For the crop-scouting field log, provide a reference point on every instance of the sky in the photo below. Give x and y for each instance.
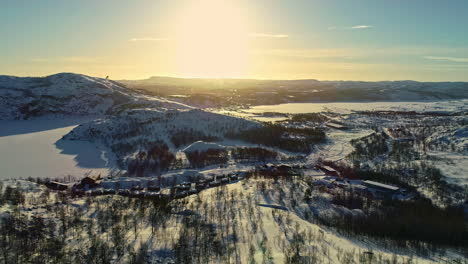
(368, 40)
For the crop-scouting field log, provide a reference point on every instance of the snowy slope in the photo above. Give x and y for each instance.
(132, 131)
(66, 94)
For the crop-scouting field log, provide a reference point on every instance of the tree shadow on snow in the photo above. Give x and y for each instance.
(273, 206)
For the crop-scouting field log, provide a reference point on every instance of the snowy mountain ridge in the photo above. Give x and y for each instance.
(382, 89)
(67, 94)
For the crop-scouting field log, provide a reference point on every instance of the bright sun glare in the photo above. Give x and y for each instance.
(212, 40)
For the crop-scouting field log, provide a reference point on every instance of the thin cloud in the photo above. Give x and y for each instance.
(311, 53)
(80, 59)
(147, 39)
(362, 27)
(70, 59)
(452, 59)
(353, 27)
(265, 35)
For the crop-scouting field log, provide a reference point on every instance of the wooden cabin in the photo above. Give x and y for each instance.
(90, 181)
(58, 186)
(329, 171)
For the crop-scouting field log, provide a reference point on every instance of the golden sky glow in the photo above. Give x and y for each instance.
(211, 40)
(266, 39)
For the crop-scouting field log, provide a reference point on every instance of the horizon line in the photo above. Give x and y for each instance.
(232, 78)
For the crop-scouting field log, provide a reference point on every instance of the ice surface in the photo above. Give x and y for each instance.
(34, 148)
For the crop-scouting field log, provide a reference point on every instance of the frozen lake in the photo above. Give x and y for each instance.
(296, 108)
(33, 148)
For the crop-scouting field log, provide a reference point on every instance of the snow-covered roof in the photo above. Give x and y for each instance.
(202, 146)
(381, 185)
(334, 125)
(328, 168)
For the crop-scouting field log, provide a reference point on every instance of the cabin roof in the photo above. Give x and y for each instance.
(381, 185)
(334, 125)
(328, 168)
(93, 178)
(57, 183)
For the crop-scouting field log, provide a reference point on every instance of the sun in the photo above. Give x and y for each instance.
(212, 40)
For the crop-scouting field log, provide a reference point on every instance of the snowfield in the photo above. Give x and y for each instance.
(346, 107)
(338, 145)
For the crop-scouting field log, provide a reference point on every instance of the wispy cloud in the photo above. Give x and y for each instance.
(310, 53)
(265, 35)
(362, 27)
(348, 27)
(147, 39)
(452, 59)
(78, 59)
(70, 59)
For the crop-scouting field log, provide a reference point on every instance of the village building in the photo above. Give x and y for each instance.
(284, 168)
(89, 182)
(381, 190)
(329, 171)
(336, 126)
(56, 185)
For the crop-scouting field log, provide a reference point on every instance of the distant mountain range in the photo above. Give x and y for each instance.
(76, 94)
(244, 91)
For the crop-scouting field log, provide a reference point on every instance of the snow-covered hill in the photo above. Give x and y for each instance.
(128, 122)
(148, 134)
(67, 94)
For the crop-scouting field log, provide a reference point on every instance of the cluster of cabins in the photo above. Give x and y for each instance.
(270, 169)
(90, 186)
(187, 188)
(330, 179)
(87, 182)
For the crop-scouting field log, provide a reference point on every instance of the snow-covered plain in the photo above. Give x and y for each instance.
(338, 145)
(33, 148)
(296, 108)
